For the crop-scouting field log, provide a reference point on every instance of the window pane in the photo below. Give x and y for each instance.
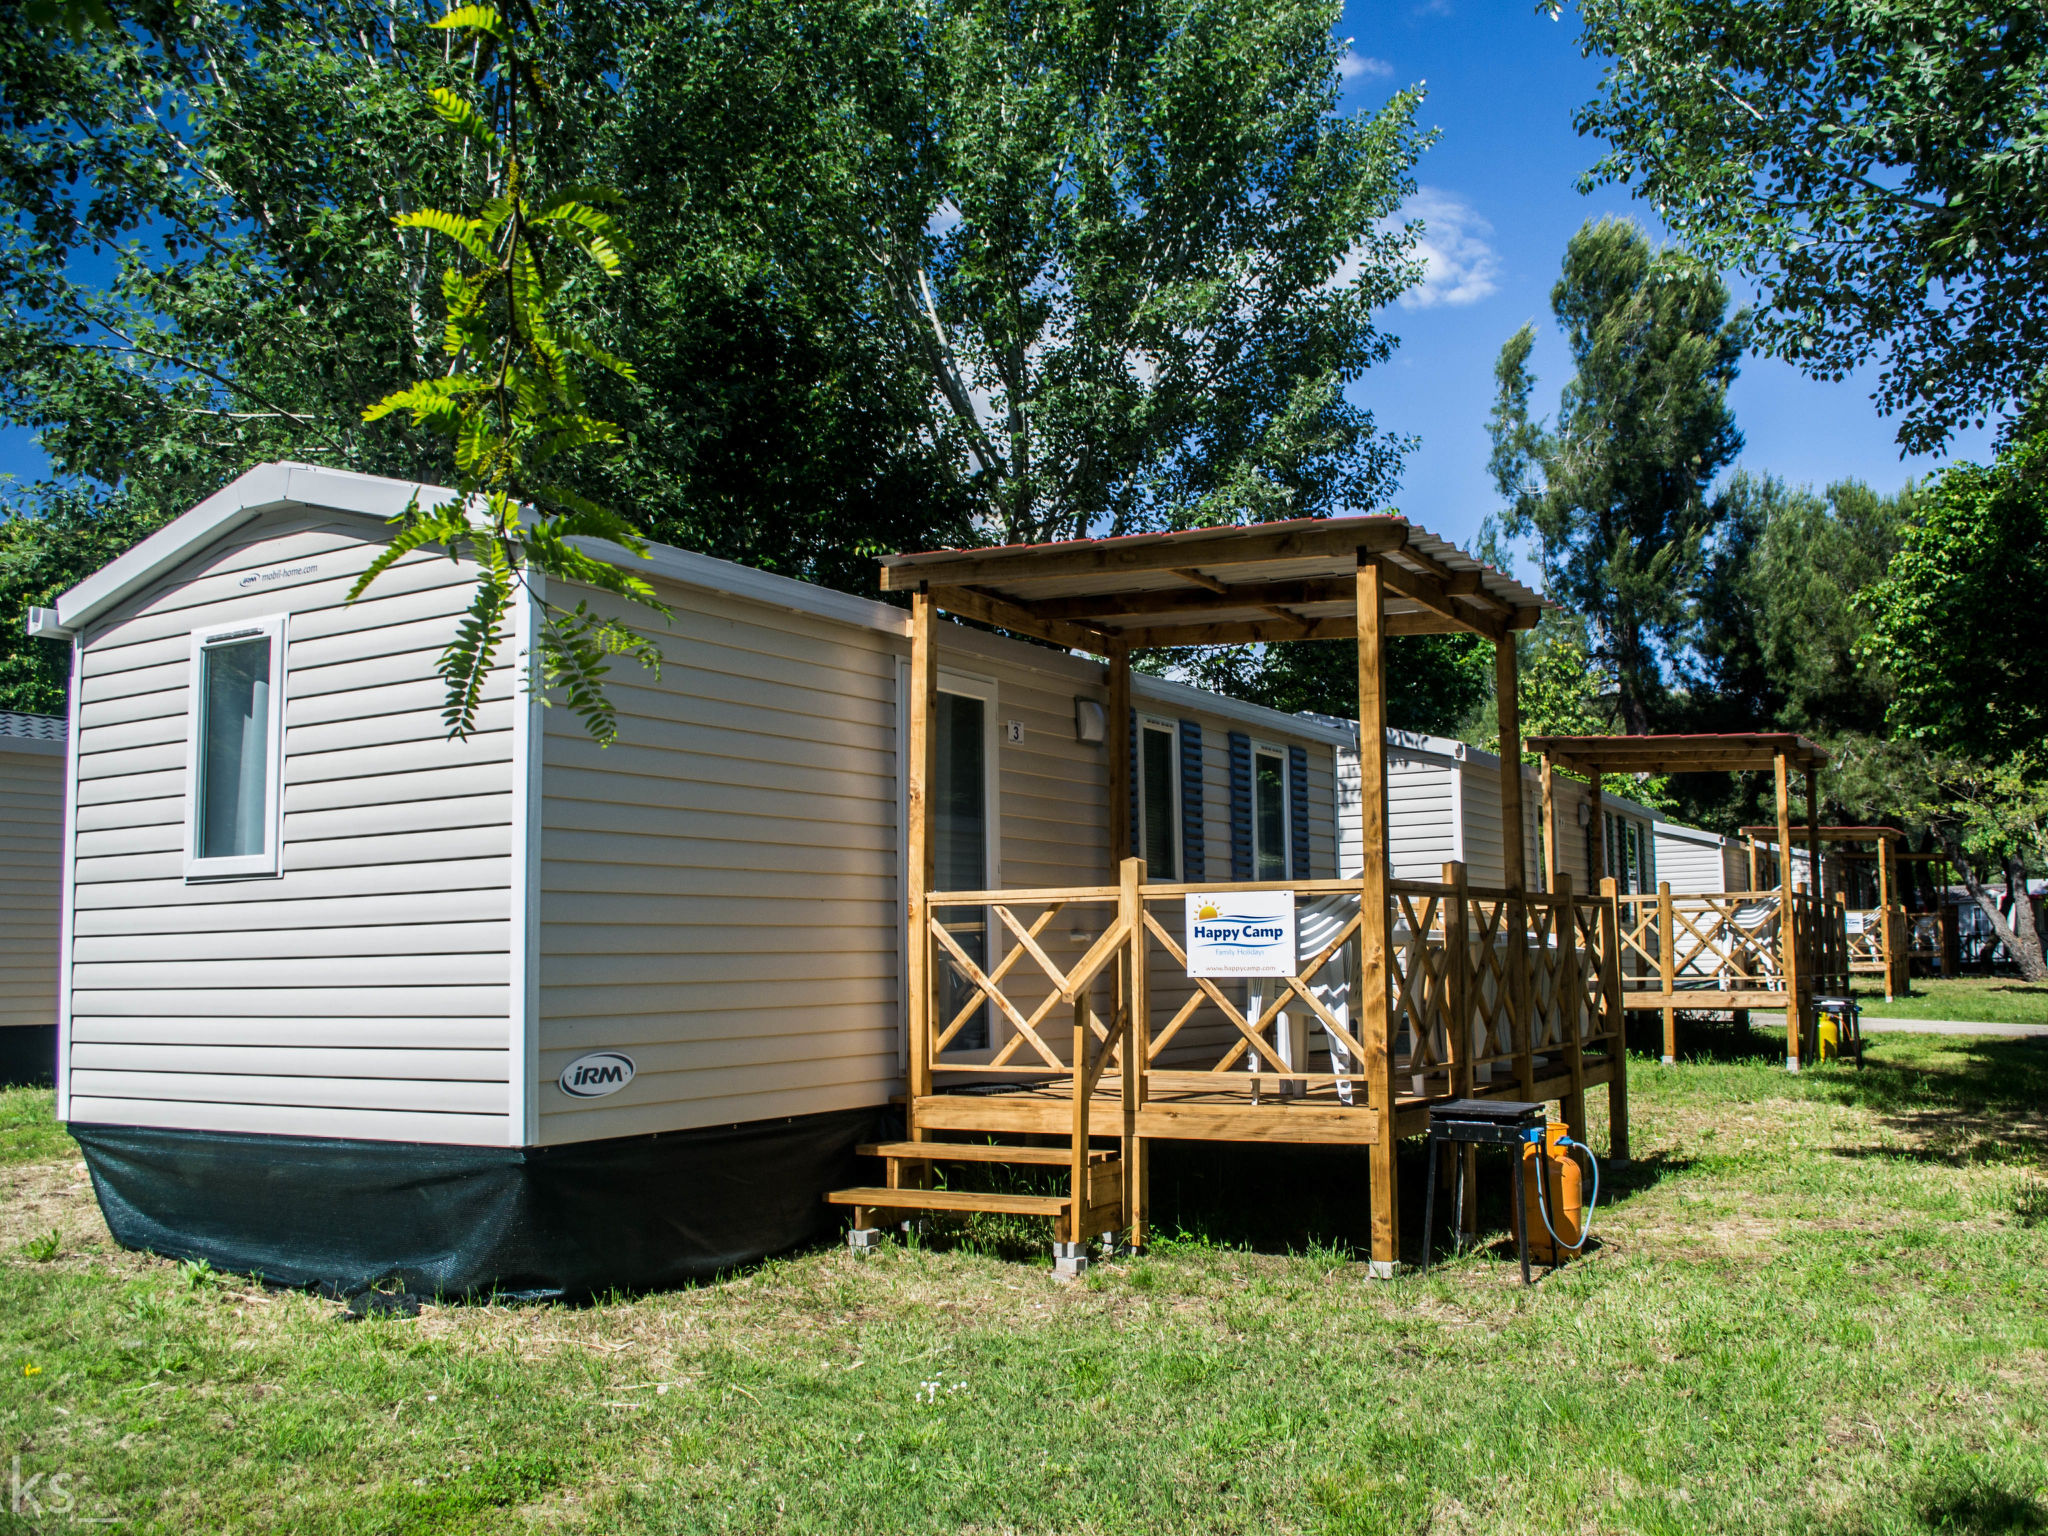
(960, 854)
(1269, 818)
(1156, 795)
(234, 748)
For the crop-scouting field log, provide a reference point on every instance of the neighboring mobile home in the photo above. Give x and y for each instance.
(1699, 863)
(1443, 805)
(344, 999)
(31, 852)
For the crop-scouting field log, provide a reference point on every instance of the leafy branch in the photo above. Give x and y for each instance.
(512, 399)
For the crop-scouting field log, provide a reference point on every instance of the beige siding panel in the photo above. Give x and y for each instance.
(435, 1095)
(293, 1120)
(31, 879)
(719, 889)
(481, 1066)
(242, 1004)
(291, 1002)
(401, 1034)
(489, 877)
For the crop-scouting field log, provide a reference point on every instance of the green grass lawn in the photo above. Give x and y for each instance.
(1963, 999)
(1819, 1304)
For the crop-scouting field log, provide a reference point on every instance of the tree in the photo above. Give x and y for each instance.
(1877, 169)
(198, 273)
(510, 397)
(1434, 682)
(1144, 262)
(1617, 492)
(1955, 622)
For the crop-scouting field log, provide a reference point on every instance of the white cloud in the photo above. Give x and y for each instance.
(1354, 65)
(1458, 265)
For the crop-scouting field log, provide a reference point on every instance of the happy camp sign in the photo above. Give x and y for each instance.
(1241, 933)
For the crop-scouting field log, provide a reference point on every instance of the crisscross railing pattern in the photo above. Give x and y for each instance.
(1481, 985)
(1188, 1047)
(1027, 984)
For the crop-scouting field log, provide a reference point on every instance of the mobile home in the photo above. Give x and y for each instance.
(343, 999)
(31, 836)
(1444, 805)
(1699, 862)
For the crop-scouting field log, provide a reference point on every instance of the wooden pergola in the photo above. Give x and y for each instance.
(1363, 580)
(1880, 948)
(1802, 954)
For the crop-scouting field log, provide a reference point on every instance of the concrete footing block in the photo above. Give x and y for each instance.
(865, 1240)
(1069, 1261)
(1670, 1061)
(1381, 1269)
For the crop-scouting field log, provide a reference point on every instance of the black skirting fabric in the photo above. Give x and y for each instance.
(28, 1055)
(632, 1213)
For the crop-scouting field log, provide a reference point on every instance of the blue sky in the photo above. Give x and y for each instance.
(1498, 195)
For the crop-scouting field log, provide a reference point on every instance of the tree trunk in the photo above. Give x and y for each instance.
(2026, 951)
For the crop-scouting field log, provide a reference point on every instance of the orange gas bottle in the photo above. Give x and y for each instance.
(1563, 1197)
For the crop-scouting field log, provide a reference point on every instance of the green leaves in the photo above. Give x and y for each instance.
(1956, 621)
(512, 400)
(1878, 169)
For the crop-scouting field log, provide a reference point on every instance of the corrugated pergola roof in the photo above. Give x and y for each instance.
(1219, 586)
(1739, 752)
(1800, 834)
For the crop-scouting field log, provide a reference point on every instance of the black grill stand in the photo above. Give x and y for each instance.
(1487, 1122)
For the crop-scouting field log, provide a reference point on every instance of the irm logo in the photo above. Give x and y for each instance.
(595, 1075)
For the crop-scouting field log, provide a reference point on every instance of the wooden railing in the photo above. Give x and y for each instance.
(1483, 986)
(1732, 942)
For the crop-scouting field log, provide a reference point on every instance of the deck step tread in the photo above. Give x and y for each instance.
(977, 1152)
(949, 1200)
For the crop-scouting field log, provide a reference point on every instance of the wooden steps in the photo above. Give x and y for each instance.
(1099, 1208)
(877, 1198)
(977, 1152)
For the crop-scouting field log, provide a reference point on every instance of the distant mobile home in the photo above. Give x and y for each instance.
(1443, 805)
(1698, 862)
(31, 856)
(343, 999)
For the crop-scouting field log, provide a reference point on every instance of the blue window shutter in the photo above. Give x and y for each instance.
(1194, 863)
(1240, 806)
(1297, 813)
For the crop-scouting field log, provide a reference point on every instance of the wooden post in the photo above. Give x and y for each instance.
(1137, 1048)
(1374, 1014)
(1667, 975)
(1884, 909)
(1617, 1024)
(1121, 832)
(919, 852)
(1549, 828)
(1750, 838)
(1514, 877)
(1788, 947)
(1568, 1002)
(1077, 1228)
(1458, 1009)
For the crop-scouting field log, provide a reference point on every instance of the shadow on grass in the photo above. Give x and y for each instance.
(1705, 1037)
(1283, 1199)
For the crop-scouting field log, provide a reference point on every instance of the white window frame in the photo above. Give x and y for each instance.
(1171, 731)
(254, 866)
(1273, 749)
(967, 685)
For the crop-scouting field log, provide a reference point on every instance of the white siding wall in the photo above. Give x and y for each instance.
(1692, 861)
(31, 867)
(364, 992)
(718, 890)
(1422, 815)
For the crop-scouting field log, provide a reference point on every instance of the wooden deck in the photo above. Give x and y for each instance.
(1225, 1111)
